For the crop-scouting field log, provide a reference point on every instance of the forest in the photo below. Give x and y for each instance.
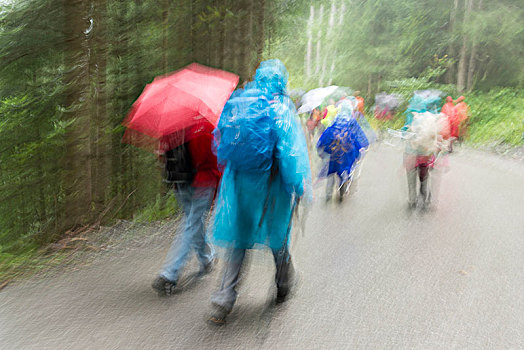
(71, 69)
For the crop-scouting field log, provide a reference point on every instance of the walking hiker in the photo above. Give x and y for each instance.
(428, 135)
(191, 171)
(462, 110)
(263, 150)
(341, 145)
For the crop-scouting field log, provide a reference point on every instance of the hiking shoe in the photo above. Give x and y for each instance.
(218, 316)
(163, 286)
(282, 294)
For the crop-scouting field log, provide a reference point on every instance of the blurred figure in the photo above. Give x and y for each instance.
(330, 113)
(360, 101)
(450, 110)
(462, 110)
(426, 132)
(266, 172)
(385, 108)
(191, 171)
(341, 145)
(313, 122)
(362, 121)
(386, 105)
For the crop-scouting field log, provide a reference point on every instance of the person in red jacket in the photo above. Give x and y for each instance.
(450, 110)
(360, 101)
(462, 110)
(192, 171)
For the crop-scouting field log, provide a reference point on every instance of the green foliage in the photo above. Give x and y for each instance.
(164, 207)
(496, 117)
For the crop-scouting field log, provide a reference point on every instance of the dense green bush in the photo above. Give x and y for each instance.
(496, 117)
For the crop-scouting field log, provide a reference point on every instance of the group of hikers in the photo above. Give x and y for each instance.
(429, 133)
(256, 169)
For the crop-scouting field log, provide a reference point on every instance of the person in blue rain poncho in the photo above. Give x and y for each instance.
(266, 170)
(341, 144)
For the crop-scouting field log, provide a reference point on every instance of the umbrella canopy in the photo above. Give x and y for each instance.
(174, 108)
(313, 98)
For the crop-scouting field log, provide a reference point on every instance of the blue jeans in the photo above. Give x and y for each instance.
(196, 203)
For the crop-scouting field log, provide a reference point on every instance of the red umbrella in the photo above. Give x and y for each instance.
(175, 108)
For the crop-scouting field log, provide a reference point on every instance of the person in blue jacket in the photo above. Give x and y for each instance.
(263, 152)
(342, 144)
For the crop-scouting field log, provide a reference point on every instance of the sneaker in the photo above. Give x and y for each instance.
(218, 316)
(163, 286)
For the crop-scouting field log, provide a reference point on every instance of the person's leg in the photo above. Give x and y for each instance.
(412, 186)
(200, 206)
(181, 246)
(226, 296)
(424, 183)
(284, 273)
(330, 183)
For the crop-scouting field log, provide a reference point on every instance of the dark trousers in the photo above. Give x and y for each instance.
(227, 294)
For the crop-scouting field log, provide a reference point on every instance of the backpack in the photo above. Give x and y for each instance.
(246, 134)
(178, 167)
(425, 127)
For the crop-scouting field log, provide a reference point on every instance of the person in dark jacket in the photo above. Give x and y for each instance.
(194, 191)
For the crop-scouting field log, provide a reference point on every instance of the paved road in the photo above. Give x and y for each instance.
(373, 276)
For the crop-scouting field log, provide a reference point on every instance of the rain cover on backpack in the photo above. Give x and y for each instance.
(425, 127)
(245, 137)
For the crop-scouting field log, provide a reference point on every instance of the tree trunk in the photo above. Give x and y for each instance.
(473, 58)
(261, 31)
(237, 38)
(191, 30)
(461, 74)
(102, 146)
(319, 40)
(328, 47)
(76, 97)
(165, 35)
(270, 24)
(341, 13)
(247, 43)
(451, 73)
(309, 41)
(332, 69)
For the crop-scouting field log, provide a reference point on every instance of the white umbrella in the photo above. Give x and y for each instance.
(314, 98)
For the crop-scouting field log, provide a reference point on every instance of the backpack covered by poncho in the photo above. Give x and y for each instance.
(425, 128)
(245, 136)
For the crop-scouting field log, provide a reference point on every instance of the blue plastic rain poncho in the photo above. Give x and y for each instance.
(349, 106)
(342, 142)
(266, 165)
